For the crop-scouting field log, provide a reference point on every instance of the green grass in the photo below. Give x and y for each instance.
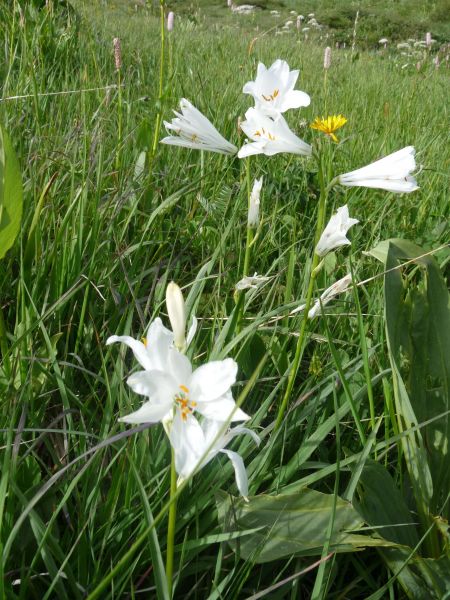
(108, 241)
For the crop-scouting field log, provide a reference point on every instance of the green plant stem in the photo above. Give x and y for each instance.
(119, 118)
(161, 83)
(248, 251)
(315, 262)
(171, 525)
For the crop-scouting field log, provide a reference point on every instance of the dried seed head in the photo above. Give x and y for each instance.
(117, 54)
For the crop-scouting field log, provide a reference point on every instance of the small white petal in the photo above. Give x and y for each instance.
(239, 471)
(192, 331)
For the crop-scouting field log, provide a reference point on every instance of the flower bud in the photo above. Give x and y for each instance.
(327, 58)
(253, 209)
(177, 314)
(170, 19)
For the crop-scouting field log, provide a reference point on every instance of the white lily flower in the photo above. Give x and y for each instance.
(253, 210)
(270, 136)
(177, 314)
(391, 173)
(176, 387)
(273, 89)
(250, 282)
(194, 130)
(334, 234)
(337, 288)
(197, 444)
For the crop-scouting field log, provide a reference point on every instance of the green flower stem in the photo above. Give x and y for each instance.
(119, 118)
(323, 162)
(248, 251)
(161, 82)
(171, 525)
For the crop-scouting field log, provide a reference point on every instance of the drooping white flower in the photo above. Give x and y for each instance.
(270, 136)
(194, 130)
(273, 89)
(335, 233)
(197, 444)
(177, 314)
(251, 282)
(391, 173)
(337, 288)
(253, 209)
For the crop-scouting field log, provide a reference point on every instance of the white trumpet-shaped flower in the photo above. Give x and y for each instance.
(173, 387)
(270, 136)
(391, 173)
(253, 209)
(334, 290)
(335, 233)
(273, 89)
(194, 130)
(196, 444)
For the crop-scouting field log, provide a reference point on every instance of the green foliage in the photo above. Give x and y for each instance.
(10, 194)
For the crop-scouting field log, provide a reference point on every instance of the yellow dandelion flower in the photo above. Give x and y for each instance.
(329, 125)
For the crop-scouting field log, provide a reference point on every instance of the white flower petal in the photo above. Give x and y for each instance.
(222, 410)
(192, 331)
(188, 442)
(148, 413)
(157, 385)
(139, 349)
(213, 380)
(239, 471)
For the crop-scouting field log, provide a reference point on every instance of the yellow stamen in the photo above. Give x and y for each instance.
(184, 389)
(275, 93)
(257, 133)
(329, 125)
(144, 341)
(271, 137)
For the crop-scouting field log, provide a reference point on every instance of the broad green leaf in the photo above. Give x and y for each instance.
(292, 524)
(417, 308)
(10, 194)
(381, 503)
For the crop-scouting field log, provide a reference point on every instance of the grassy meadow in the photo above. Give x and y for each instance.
(349, 498)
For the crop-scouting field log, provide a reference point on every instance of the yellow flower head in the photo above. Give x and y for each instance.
(329, 125)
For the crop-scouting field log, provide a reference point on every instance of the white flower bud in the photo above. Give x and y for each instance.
(253, 209)
(327, 58)
(177, 314)
(170, 19)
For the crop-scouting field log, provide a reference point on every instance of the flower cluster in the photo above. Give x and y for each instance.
(195, 406)
(274, 94)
